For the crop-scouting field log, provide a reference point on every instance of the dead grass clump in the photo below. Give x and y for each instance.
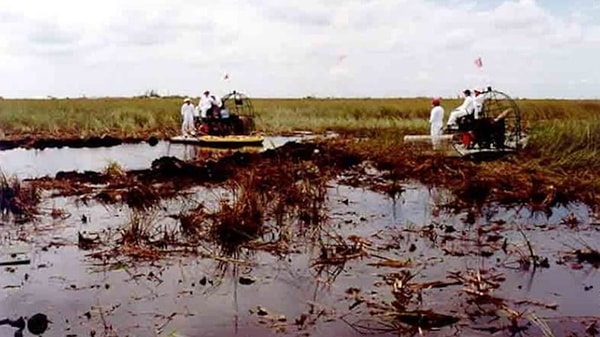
(306, 195)
(17, 199)
(144, 230)
(289, 189)
(192, 221)
(268, 193)
(240, 221)
(404, 313)
(137, 230)
(114, 171)
(142, 197)
(342, 250)
(587, 254)
(131, 193)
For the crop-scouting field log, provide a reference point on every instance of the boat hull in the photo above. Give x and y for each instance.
(233, 141)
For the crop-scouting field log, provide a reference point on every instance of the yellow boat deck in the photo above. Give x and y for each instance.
(220, 141)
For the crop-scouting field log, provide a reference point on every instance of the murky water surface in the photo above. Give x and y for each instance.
(31, 163)
(192, 296)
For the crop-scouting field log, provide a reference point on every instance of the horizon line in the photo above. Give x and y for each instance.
(307, 97)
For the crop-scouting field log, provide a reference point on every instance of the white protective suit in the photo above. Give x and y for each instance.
(478, 103)
(187, 113)
(204, 105)
(436, 121)
(467, 107)
(217, 101)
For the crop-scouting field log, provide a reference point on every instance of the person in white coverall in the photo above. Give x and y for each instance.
(466, 108)
(204, 105)
(217, 105)
(478, 100)
(436, 121)
(187, 113)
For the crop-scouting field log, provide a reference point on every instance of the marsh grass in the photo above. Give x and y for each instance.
(145, 228)
(86, 117)
(565, 133)
(139, 229)
(131, 115)
(568, 144)
(17, 199)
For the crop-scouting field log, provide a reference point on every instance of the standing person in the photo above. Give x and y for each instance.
(216, 106)
(466, 108)
(204, 105)
(436, 121)
(478, 101)
(187, 113)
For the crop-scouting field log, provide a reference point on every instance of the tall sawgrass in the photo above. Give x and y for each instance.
(564, 133)
(568, 143)
(132, 115)
(85, 117)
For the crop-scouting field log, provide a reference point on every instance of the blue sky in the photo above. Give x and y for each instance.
(296, 48)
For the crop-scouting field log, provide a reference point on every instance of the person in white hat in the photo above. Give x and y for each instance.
(204, 105)
(466, 108)
(479, 99)
(187, 113)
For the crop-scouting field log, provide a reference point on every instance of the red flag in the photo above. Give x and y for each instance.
(478, 62)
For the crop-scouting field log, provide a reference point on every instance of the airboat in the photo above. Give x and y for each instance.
(234, 131)
(497, 131)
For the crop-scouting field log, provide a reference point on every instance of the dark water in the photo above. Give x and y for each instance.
(80, 294)
(31, 163)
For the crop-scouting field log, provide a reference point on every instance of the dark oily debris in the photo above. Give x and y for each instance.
(72, 142)
(37, 324)
(153, 140)
(87, 241)
(244, 280)
(426, 319)
(18, 323)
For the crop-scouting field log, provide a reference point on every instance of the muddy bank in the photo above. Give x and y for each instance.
(34, 163)
(505, 181)
(73, 142)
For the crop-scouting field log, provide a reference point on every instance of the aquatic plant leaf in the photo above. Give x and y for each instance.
(393, 263)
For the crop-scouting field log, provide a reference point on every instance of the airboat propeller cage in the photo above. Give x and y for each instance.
(499, 114)
(240, 104)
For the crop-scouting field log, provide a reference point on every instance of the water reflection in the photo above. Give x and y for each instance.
(213, 294)
(31, 163)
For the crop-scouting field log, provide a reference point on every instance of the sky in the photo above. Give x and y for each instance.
(298, 48)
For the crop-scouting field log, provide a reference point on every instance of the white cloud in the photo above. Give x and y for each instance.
(292, 48)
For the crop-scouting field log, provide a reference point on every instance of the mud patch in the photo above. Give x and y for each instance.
(43, 143)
